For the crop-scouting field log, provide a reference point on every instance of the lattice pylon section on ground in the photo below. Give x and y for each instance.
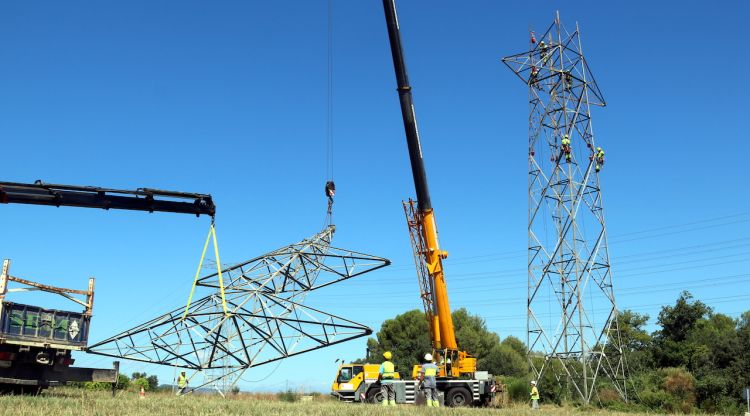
(266, 320)
(572, 328)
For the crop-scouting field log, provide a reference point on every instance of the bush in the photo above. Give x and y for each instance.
(681, 386)
(609, 397)
(123, 382)
(518, 389)
(655, 400)
(141, 382)
(288, 396)
(670, 390)
(96, 385)
(504, 360)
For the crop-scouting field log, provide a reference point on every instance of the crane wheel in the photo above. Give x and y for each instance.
(458, 397)
(374, 396)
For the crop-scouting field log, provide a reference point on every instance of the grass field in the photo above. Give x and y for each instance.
(88, 403)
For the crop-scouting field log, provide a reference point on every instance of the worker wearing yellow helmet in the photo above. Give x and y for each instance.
(566, 147)
(599, 158)
(386, 375)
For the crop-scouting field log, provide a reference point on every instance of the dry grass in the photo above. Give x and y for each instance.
(70, 402)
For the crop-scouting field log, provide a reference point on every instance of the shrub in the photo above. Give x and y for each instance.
(681, 386)
(123, 382)
(655, 400)
(518, 389)
(141, 382)
(95, 385)
(609, 396)
(288, 396)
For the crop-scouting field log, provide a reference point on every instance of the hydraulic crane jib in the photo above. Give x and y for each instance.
(142, 199)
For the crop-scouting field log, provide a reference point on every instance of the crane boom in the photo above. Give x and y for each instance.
(143, 199)
(440, 320)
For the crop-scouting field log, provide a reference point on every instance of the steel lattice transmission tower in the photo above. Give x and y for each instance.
(258, 318)
(572, 328)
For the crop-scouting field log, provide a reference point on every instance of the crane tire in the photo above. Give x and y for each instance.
(458, 397)
(374, 395)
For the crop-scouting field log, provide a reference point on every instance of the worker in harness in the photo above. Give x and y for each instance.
(534, 75)
(566, 147)
(534, 78)
(386, 374)
(182, 382)
(599, 156)
(568, 81)
(544, 49)
(429, 384)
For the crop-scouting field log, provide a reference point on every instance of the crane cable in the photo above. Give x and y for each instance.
(330, 188)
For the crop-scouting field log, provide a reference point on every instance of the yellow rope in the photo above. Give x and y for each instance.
(218, 270)
(211, 233)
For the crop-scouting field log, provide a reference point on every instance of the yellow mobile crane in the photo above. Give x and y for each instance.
(458, 380)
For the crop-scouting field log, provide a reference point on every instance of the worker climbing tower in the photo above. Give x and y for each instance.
(572, 328)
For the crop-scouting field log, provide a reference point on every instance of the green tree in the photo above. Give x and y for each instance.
(123, 382)
(676, 322)
(406, 336)
(472, 334)
(516, 344)
(635, 340)
(141, 382)
(503, 360)
(714, 342)
(739, 372)
(153, 382)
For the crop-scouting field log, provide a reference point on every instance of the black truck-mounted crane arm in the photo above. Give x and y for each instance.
(142, 199)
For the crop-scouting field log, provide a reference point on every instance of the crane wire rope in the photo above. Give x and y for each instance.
(329, 96)
(330, 188)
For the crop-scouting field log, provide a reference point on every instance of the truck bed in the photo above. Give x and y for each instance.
(32, 325)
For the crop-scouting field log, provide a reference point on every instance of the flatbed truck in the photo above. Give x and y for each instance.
(36, 344)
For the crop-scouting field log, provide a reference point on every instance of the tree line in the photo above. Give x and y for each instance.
(697, 359)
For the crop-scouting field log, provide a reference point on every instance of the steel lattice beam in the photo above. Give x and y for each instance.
(572, 315)
(266, 320)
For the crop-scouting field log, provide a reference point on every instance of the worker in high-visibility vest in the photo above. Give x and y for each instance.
(534, 396)
(543, 48)
(566, 147)
(599, 158)
(386, 374)
(429, 384)
(182, 382)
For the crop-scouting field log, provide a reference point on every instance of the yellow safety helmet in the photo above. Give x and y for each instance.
(387, 355)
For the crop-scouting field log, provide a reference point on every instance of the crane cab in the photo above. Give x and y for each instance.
(356, 382)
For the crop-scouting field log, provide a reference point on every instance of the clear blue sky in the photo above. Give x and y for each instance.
(228, 98)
